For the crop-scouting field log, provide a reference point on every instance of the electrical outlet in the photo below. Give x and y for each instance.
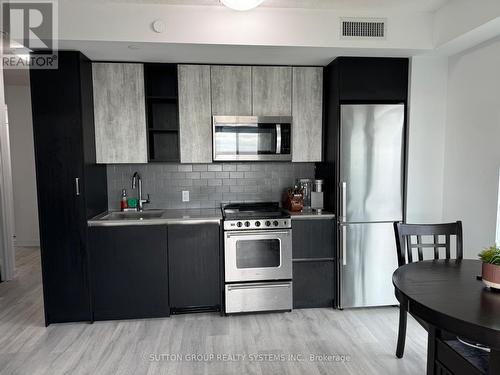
(185, 195)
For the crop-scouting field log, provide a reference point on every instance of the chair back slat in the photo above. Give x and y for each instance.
(405, 245)
(409, 249)
(436, 246)
(419, 248)
(447, 246)
(424, 245)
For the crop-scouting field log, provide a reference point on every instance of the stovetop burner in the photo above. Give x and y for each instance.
(254, 210)
(260, 215)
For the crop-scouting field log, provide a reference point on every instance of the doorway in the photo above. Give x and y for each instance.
(20, 210)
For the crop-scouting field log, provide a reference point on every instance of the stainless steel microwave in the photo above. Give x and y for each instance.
(252, 138)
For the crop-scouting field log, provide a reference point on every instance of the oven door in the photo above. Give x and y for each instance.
(258, 255)
(251, 138)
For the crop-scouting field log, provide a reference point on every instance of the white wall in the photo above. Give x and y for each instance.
(460, 17)
(128, 22)
(427, 118)
(18, 99)
(7, 261)
(472, 153)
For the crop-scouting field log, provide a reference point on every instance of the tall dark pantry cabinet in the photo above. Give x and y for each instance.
(71, 187)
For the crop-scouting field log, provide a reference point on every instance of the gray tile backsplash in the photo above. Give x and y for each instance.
(208, 184)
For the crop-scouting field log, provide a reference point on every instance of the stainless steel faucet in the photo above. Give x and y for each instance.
(136, 180)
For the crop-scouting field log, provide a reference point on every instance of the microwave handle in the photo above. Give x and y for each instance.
(278, 138)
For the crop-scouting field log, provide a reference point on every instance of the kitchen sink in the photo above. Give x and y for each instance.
(133, 215)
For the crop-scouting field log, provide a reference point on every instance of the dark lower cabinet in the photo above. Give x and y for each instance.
(313, 262)
(129, 272)
(313, 284)
(313, 238)
(193, 255)
(71, 188)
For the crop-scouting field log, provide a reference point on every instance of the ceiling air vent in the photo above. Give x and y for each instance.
(355, 28)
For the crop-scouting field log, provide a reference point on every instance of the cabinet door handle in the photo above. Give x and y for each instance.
(77, 186)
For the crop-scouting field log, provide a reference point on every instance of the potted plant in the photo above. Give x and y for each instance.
(491, 266)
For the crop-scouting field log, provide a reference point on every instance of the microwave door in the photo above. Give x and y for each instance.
(246, 141)
(250, 141)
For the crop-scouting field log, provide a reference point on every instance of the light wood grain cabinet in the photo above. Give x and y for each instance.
(231, 90)
(195, 120)
(271, 91)
(119, 113)
(307, 112)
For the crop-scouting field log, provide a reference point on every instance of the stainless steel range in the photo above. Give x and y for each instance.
(257, 257)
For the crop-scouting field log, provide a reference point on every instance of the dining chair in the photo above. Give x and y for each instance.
(411, 238)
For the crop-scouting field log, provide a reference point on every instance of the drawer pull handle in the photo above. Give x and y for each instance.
(258, 286)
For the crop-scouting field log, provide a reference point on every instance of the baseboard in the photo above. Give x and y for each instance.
(33, 243)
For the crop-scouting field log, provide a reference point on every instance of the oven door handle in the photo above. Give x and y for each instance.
(253, 233)
(258, 286)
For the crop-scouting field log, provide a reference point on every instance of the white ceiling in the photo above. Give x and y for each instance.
(220, 54)
(402, 5)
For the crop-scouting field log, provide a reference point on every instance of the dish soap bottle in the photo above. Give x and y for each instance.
(124, 202)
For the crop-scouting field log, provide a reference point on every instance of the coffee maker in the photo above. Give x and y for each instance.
(317, 204)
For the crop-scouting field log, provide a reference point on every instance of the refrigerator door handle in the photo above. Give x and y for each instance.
(343, 243)
(343, 203)
(278, 138)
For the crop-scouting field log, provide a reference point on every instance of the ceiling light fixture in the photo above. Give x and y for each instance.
(241, 4)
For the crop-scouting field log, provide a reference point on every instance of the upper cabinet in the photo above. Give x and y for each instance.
(372, 78)
(162, 112)
(307, 112)
(231, 90)
(119, 113)
(195, 115)
(271, 91)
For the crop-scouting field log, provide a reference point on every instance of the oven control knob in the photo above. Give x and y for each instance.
(247, 223)
(239, 224)
(275, 223)
(257, 223)
(268, 223)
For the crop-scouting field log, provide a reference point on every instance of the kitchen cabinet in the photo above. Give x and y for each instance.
(271, 91)
(162, 112)
(120, 114)
(372, 79)
(195, 116)
(71, 187)
(313, 238)
(307, 112)
(231, 90)
(313, 248)
(129, 272)
(194, 269)
(313, 284)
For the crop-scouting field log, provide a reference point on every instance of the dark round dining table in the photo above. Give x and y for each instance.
(450, 297)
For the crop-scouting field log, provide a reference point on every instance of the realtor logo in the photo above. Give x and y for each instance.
(29, 34)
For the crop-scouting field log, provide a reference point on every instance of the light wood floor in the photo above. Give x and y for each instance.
(366, 336)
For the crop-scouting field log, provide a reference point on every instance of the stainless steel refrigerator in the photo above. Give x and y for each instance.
(371, 162)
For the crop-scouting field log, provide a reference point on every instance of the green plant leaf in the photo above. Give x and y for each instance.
(490, 255)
